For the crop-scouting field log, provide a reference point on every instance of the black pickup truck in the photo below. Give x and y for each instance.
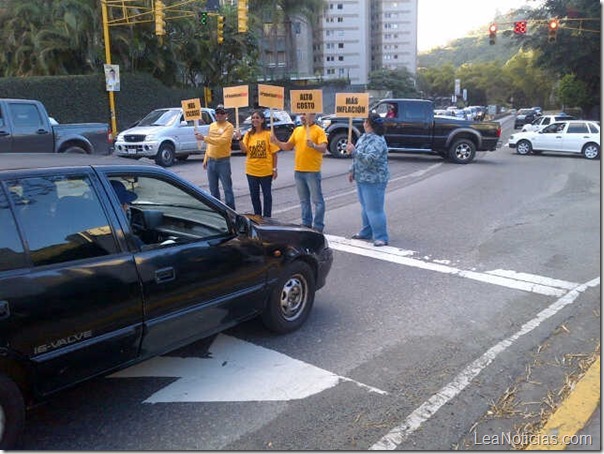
(25, 127)
(412, 127)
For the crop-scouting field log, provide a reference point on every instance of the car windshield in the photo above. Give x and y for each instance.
(161, 117)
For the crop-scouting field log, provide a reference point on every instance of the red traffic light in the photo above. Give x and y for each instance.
(493, 28)
(520, 27)
(553, 24)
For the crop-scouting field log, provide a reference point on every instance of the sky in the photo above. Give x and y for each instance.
(440, 21)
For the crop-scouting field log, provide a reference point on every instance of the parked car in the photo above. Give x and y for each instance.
(26, 125)
(283, 125)
(571, 136)
(415, 129)
(524, 116)
(106, 262)
(545, 120)
(165, 136)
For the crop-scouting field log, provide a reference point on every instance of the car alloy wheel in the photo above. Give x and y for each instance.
(591, 151)
(523, 147)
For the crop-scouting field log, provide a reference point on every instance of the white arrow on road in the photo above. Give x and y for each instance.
(237, 371)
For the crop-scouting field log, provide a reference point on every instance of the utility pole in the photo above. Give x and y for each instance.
(108, 61)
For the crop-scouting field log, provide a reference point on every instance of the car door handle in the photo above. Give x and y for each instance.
(4, 133)
(41, 131)
(4, 310)
(165, 275)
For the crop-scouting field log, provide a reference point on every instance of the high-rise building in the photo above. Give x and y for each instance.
(355, 37)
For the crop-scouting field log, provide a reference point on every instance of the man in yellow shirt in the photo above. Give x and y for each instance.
(217, 158)
(309, 151)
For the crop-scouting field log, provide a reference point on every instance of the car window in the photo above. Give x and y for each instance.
(546, 121)
(12, 253)
(62, 219)
(593, 128)
(577, 128)
(25, 114)
(162, 213)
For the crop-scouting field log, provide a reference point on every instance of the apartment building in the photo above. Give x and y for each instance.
(355, 37)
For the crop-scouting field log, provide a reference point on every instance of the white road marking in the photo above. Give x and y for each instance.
(400, 433)
(520, 281)
(237, 371)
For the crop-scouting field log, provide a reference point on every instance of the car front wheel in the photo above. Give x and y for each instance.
(12, 413)
(165, 155)
(337, 145)
(591, 150)
(291, 300)
(524, 147)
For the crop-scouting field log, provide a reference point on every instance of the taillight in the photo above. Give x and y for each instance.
(109, 136)
(499, 131)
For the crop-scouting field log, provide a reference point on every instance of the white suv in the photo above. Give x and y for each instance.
(545, 120)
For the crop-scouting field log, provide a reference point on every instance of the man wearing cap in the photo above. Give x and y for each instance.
(217, 158)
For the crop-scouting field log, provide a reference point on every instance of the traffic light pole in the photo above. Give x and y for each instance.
(108, 61)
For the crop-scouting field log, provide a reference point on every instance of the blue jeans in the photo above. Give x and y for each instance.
(373, 216)
(220, 170)
(308, 185)
(264, 183)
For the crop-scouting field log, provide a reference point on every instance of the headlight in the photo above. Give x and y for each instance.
(150, 137)
(325, 124)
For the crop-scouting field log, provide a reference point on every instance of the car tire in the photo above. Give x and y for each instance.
(74, 149)
(291, 300)
(12, 413)
(337, 145)
(591, 150)
(183, 157)
(165, 155)
(524, 147)
(463, 151)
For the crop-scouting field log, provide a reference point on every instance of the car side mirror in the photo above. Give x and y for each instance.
(242, 225)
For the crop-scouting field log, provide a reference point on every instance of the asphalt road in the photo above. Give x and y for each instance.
(490, 281)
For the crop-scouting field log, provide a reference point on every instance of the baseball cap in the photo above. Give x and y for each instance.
(220, 109)
(123, 194)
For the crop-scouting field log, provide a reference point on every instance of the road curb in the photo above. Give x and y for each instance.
(572, 415)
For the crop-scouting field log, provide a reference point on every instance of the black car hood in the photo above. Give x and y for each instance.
(273, 231)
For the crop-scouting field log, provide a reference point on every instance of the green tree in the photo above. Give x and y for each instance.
(573, 92)
(399, 81)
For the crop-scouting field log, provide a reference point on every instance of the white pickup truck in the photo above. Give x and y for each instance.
(164, 135)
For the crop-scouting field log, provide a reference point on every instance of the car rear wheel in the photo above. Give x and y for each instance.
(165, 155)
(12, 413)
(337, 145)
(462, 151)
(291, 300)
(524, 147)
(591, 150)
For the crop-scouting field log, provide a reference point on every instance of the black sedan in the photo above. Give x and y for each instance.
(105, 262)
(525, 116)
(283, 125)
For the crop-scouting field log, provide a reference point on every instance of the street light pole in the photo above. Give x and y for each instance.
(108, 61)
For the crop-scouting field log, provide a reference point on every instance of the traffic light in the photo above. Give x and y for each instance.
(552, 30)
(220, 29)
(492, 34)
(204, 18)
(242, 16)
(160, 14)
(520, 27)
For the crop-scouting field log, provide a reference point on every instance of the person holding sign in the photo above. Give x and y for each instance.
(217, 158)
(310, 143)
(370, 170)
(260, 163)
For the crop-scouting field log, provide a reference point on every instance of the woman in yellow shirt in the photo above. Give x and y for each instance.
(260, 163)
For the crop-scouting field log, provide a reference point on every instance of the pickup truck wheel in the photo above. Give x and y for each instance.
(337, 145)
(591, 150)
(12, 413)
(291, 300)
(462, 151)
(524, 147)
(74, 149)
(165, 155)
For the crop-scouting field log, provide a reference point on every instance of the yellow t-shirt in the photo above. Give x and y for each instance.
(218, 140)
(259, 159)
(307, 159)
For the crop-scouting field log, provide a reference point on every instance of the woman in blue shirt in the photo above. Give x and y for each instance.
(370, 170)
